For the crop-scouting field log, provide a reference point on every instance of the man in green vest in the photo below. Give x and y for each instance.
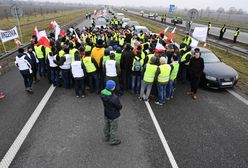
(73, 50)
(163, 79)
(236, 34)
(173, 76)
(149, 73)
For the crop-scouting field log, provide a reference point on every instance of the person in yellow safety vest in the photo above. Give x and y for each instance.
(40, 53)
(93, 22)
(118, 55)
(116, 23)
(150, 55)
(222, 32)
(121, 40)
(173, 76)
(184, 63)
(149, 73)
(141, 36)
(72, 51)
(209, 26)
(104, 58)
(91, 67)
(93, 39)
(187, 39)
(163, 79)
(236, 34)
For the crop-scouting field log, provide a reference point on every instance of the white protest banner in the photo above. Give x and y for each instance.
(194, 43)
(7, 35)
(200, 33)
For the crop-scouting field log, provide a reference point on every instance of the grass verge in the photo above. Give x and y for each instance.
(41, 21)
(235, 61)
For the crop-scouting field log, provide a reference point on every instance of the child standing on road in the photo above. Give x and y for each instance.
(112, 107)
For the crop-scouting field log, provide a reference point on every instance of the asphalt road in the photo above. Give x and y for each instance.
(209, 132)
(243, 36)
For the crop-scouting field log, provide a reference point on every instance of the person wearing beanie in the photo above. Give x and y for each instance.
(25, 69)
(33, 60)
(174, 72)
(112, 107)
(163, 78)
(148, 75)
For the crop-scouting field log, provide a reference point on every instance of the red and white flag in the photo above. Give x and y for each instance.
(159, 48)
(163, 31)
(169, 38)
(42, 39)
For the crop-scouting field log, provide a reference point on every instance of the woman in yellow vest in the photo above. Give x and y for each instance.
(163, 78)
(149, 73)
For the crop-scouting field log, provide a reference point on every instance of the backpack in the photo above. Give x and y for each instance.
(137, 65)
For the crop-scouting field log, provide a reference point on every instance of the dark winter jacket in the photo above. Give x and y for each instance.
(111, 103)
(196, 67)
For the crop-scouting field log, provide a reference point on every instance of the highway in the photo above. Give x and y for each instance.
(210, 132)
(243, 36)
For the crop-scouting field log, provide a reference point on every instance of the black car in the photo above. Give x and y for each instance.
(177, 20)
(216, 73)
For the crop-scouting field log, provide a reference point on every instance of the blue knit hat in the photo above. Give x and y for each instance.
(110, 84)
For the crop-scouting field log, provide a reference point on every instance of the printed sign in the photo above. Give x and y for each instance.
(7, 35)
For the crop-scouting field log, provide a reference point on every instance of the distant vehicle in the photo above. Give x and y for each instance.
(177, 20)
(101, 22)
(131, 23)
(120, 16)
(216, 73)
(143, 28)
(151, 14)
(103, 17)
(142, 13)
(126, 20)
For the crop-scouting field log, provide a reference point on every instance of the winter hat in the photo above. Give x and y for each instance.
(110, 85)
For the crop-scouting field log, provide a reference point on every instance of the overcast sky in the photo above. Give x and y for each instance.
(198, 4)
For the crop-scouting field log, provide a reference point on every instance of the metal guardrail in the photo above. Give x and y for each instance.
(181, 29)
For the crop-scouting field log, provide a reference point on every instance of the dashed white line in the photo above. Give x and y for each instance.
(10, 155)
(238, 96)
(162, 137)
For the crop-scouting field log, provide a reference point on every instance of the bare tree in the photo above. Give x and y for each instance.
(232, 10)
(221, 10)
(240, 12)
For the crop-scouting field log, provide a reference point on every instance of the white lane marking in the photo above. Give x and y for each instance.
(10, 155)
(161, 136)
(238, 96)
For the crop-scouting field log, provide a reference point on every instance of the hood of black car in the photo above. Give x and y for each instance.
(219, 70)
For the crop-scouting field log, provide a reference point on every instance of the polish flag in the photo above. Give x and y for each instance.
(78, 39)
(42, 39)
(163, 32)
(171, 35)
(159, 48)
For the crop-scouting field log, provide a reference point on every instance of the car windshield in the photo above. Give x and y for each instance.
(143, 29)
(209, 57)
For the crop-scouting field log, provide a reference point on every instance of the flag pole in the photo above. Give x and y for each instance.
(4, 47)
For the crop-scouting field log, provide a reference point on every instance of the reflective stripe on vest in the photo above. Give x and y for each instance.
(174, 72)
(150, 73)
(90, 67)
(184, 57)
(38, 51)
(76, 69)
(164, 73)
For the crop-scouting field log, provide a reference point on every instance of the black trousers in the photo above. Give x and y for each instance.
(221, 36)
(194, 84)
(28, 78)
(235, 39)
